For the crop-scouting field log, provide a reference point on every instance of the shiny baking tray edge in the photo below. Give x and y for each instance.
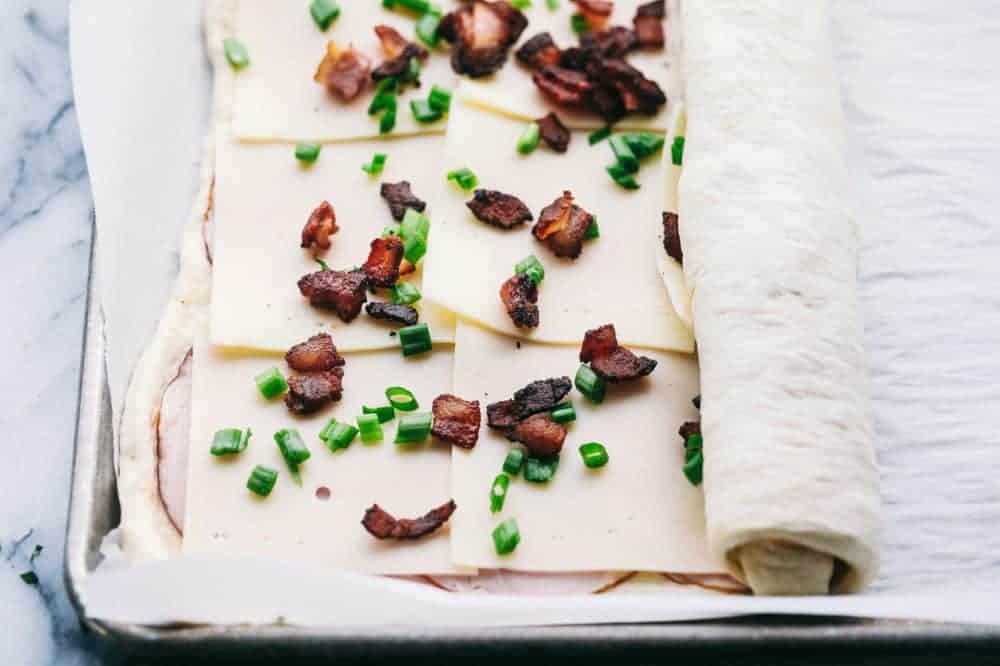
(94, 511)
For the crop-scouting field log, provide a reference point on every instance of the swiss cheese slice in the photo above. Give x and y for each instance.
(223, 517)
(638, 512)
(671, 272)
(263, 199)
(615, 278)
(276, 97)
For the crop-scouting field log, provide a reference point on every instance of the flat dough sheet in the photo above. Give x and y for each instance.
(263, 198)
(671, 272)
(637, 513)
(276, 97)
(511, 90)
(614, 280)
(223, 517)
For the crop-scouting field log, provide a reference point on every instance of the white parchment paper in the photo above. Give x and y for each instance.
(920, 82)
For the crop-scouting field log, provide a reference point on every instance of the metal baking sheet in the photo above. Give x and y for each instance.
(94, 511)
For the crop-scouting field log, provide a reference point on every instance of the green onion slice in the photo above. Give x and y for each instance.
(324, 13)
(593, 231)
(589, 384)
(439, 99)
(388, 120)
(520, 4)
(529, 139)
(293, 450)
(677, 150)
(578, 23)
(405, 293)
(415, 339)
(402, 399)
(644, 144)
(236, 53)
(531, 267)
(262, 480)
(464, 178)
(423, 112)
(498, 492)
(412, 72)
(622, 177)
(29, 578)
(384, 413)
(338, 435)
(693, 469)
(415, 6)
(307, 153)
(594, 455)
(541, 470)
(506, 536)
(599, 135)
(414, 230)
(390, 230)
(376, 166)
(413, 428)
(230, 441)
(623, 153)
(427, 29)
(370, 428)
(513, 462)
(564, 413)
(271, 384)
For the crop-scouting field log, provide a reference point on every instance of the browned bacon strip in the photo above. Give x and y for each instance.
(540, 434)
(609, 360)
(539, 51)
(566, 87)
(636, 93)
(396, 313)
(341, 291)
(481, 34)
(555, 135)
(498, 209)
(383, 525)
(648, 23)
(542, 395)
(321, 225)
(597, 12)
(689, 428)
(519, 295)
(399, 52)
(382, 266)
(312, 391)
(562, 226)
(502, 415)
(615, 42)
(672, 237)
(344, 74)
(456, 421)
(316, 354)
(399, 196)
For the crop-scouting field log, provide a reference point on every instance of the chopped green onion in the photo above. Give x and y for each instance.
(377, 164)
(693, 469)
(385, 413)
(599, 135)
(464, 178)
(371, 429)
(402, 399)
(623, 153)
(412, 73)
(498, 492)
(405, 293)
(622, 177)
(413, 428)
(578, 23)
(307, 152)
(236, 53)
(422, 111)
(541, 470)
(415, 339)
(338, 435)
(293, 450)
(594, 455)
(427, 29)
(529, 139)
(692, 447)
(387, 86)
(644, 144)
(564, 413)
(390, 230)
(589, 384)
(322, 264)
(271, 384)
(531, 267)
(506, 536)
(29, 578)
(382, 101)
(414, 230)
(593, 231)
(388, 120)
(262, 480)
(230, 441)
(677, 150)
(324, 12)
(513, 462)
(520, 4)
(415, 6)
(552, 4)
(439, 99)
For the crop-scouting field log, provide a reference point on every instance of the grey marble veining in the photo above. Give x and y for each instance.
(45, 235)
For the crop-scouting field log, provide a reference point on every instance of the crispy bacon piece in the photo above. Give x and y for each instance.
(609, 87)
(540, 434)
(689, 428)
(499, 209)
(539, 51)
(399, 196)
(399, 51)
(542, 395)
(383, 525)
(672, 237)
(636, 93)
(597, 12)
(312, 391)
(555, 135)
(481, 34)
(648, 23)
(316, 354)
(321, 225)
(456, 420)
(344, 73)
(396, 313)
(566, 87)
(519, 295)
(609, 360)
(502, 415)
(382, 267)
(562, 226)
(344, 292)
(393, 43)
(615, 42)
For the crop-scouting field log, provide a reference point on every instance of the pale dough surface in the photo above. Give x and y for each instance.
(770, 254)
(671, 272)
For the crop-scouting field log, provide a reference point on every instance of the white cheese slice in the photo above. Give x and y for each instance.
(263, 198)
(671, 272)
(276, 97)
(614, 280)
(637, 513)
(512, 91)
(223, 517)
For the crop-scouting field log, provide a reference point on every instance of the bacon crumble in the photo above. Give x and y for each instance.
(539, 51)
(562, 226)
(527, 418)
(498, 209)
(541, 435)
(310, 392)
(316, 354)
(344, 292)
(672, 237)
(399, 196)
(519, 295)
(399, 51)
(566, 87)
(648, 24)
(615, 42)
(383, 525)
(611, 361)
(396, 313)
(456, 421)
(344, 73)
(552, 131)
(689, 428)
(481, 34)
(502, 415)
(321, 225)
(542, 395)
(382, 266)
(597, 12)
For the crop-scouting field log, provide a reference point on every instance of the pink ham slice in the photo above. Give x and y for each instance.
(172, 437)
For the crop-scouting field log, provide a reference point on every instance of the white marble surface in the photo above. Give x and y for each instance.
(45, 232)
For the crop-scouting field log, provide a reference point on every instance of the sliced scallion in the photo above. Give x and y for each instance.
(564, 413)
(520, 4)
(589, 384)
(385, 413)
(412, 73)
(230, 441)
(388, 120)
(599, 135)
(338, 435)
(594, 455)
(413, 428)
(498, 492)
(376, 166)
(423, 112)
(513, 462)
(506, 536)
(370, 428)
(677, 151)
(402, 399)
(29, 578)
(271, 384)
(622, 177)
(578, 22)
(593, 231)
(415, 339)
(540, 470)
(307, 153)
(439, 99)
(427, 29)
(322, 264)
(405, 293)
(262, 480)
(693, 469)
(644, 144)
(324, 13)
(236, 53)
(531, 267)
(415, 6)
(414, 230)
(623, 153)
(464, 178)
(293, 449)
(529, 139)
